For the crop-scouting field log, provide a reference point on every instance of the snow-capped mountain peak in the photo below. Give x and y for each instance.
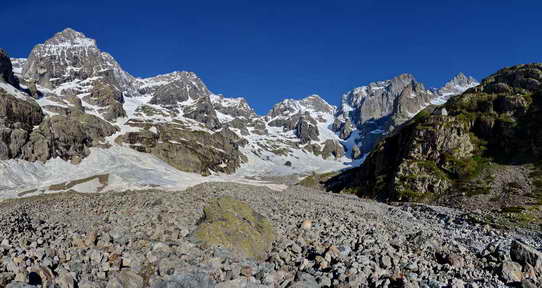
(311, 104)
(71, 38)
(71, 57)
(457, 85)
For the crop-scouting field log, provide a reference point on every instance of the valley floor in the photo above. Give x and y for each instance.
(143, 239)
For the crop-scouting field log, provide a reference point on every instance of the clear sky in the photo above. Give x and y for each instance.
(269, 50)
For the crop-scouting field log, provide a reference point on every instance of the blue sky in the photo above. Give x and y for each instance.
(269, 50)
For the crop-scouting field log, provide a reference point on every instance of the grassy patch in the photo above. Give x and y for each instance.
(514, 209)
(433, 168)
(316, 180)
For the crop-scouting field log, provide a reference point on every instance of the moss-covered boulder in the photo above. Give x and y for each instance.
(233, 224)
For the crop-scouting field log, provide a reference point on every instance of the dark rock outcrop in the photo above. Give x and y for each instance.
(67, 137)
(332, 148)
(304, 126)
(203, 112)
(356, 152)
(306, 131)
(345, 129)
(234, 107)
(6, 70)
(188, 150)
(107, 96)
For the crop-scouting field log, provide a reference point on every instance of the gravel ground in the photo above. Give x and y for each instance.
(142, 239)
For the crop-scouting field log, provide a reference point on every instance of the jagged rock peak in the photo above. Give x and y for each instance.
(72, 38)
(377, 99)
(235, 107)
(393, 86)
(462, 80)
(312, 103)
(317, 104)
(457, 85)
(173, 88)
(169, 77)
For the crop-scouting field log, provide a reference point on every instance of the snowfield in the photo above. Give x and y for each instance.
(127, 169)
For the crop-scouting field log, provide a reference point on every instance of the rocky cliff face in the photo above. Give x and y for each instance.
(472, 149)
(25, 132)
(77, 82)
(380, 107)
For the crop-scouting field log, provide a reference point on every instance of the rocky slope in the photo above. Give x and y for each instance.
(157, 239)
(480, 150)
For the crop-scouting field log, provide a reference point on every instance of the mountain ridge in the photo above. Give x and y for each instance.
(178, 119)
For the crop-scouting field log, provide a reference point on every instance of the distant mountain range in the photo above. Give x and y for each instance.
(69, 100)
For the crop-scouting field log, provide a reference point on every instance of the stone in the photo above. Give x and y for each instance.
(511, 271)
(332, 148)
(45, 274)
(529, 283)
(91, 239)
(20, 285)
(385, 261)
(345, 130)
(305, 280)
(306, 131)
(195, 279)
(306, 225)
(234, 225)
(125, 279)
(65, 280)
(356, 152)
(524, 254)
(296, 248)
